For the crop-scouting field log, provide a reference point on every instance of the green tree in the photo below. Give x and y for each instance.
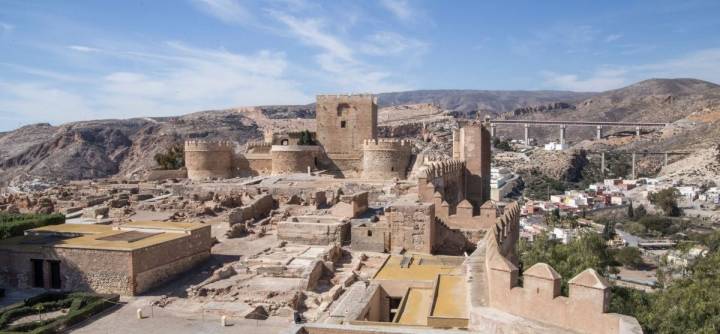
(691, 304)
(587, 251)
(630, 257)
(608, 229)
(173, 158)
(666, 200)
(639, 212)
(631, 212)
(306, 138)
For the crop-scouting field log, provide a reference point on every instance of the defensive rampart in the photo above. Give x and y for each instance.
(539, 299)
(444, 177)
(385, 158)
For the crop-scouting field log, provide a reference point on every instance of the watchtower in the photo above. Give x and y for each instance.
(344, 122)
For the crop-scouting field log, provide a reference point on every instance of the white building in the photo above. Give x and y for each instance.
(502, 182)
(553, 146)
(565, 235)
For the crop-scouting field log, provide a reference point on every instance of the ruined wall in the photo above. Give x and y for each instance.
(259, 207)
(318, 232)
(208, 159)
(412, 227)
(345, 121)
(370, 237)
(471, 143)
(539, 298)
(162, 174)
(293, 158)
(385, 159)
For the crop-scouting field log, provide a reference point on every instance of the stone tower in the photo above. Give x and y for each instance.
(209, 159)
(344, 122)
(471, 143)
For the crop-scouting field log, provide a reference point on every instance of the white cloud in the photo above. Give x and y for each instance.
(613, 37)
(337, 59)
(182, 79)
(400, 8)
(600, 80)
(390, 43)
(228, 11)
(6, 28)
(82, 48)
(702, 64)
(310, 31)
(34, 103)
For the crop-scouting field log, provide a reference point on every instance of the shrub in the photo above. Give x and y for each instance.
(174, 158)
(12, 225)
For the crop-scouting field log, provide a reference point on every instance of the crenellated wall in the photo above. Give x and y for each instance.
(209, 159)
(539, 299)
(444, 177)
(385, 158)
(294, 158)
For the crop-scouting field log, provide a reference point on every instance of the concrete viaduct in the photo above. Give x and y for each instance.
(634, 155)
(599, 125)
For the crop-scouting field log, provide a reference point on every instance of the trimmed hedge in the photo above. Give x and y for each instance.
(12, 225)
(81, 306)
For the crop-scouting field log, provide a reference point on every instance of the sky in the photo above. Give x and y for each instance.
(64, 60)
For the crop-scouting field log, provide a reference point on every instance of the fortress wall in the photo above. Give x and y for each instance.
(209, 159)
(385, 158)
(293, 158)
(444, 177)
(539, 298)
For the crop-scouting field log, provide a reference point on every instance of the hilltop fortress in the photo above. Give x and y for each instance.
(346, 144)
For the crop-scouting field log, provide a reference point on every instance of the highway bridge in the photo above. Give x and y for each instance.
(599, 125)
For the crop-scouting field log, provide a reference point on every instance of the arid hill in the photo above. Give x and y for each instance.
(103, 148)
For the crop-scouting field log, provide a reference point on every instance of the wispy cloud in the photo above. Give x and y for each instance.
(702, 64)
(401, 9)
(600, 80)
(82, 48)
(386, 43)
(339, 60)
(612, 37)
(228, 11)
(6, 28)
(183, 79)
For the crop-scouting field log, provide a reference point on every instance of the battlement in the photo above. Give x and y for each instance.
(347, 98)
(386, 144)
(539, 297)
(209, 145)
(440, 168)
(257, 144)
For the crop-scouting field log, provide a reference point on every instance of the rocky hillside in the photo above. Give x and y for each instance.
(103, 148)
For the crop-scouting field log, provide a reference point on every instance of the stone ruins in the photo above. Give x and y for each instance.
(332, 231)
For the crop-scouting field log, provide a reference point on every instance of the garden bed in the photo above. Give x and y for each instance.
(53, 312)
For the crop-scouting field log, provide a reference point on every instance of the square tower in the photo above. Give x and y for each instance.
(471, 143)
(345, 121)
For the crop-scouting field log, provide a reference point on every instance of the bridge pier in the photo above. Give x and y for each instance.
(602, 163)
(527, 134)
(492, 130)
(637, 131)
(599, 134)
(562, 134)
(666, 158)
(634, 176)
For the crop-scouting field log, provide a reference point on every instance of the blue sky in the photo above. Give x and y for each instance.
(74, 60)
